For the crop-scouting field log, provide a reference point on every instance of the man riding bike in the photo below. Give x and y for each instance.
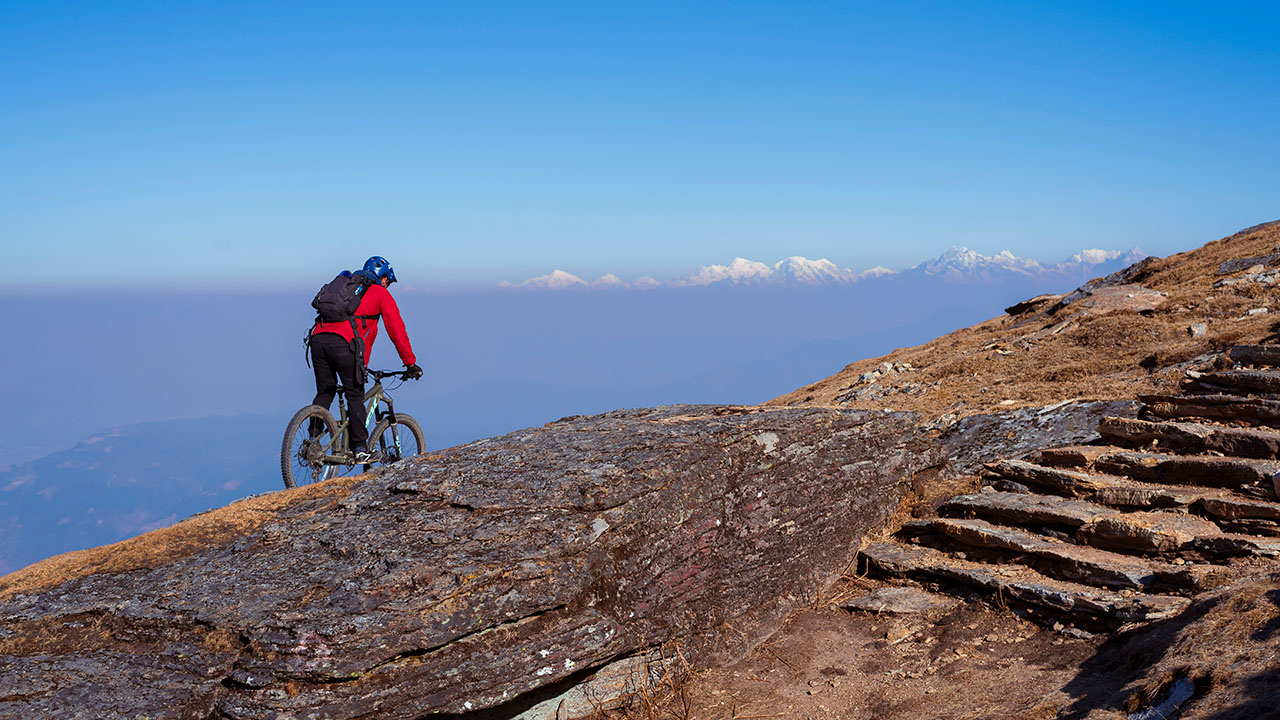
(335, 352)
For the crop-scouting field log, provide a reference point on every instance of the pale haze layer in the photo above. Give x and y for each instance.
(129, 426)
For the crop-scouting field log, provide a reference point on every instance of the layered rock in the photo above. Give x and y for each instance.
(473, 578)
(1108, 534)
(1009, 433)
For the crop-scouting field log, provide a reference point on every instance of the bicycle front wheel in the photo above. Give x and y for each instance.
(309, 437)
(399, 441)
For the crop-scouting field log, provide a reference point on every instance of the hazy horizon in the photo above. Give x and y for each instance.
(199, 353)
(294, 284)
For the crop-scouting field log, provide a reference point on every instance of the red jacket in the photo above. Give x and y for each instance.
(377, 301)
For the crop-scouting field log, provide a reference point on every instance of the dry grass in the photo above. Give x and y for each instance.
(658, 691)
(169, 544)
(46, 634)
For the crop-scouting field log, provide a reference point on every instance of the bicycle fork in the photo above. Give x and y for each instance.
(390, 415)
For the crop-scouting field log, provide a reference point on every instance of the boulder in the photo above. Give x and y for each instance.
(1025, 509)
(1234, 265)
(1120, 278)
(492, 575)
(1208, 471)
(1104, 300)
(1069, 561)
(1058, 481)
(1014, 433)
(1102, 489)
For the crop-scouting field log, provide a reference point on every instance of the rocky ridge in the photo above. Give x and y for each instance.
(496, 575)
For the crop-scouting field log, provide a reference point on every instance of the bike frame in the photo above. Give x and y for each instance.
(338, 451)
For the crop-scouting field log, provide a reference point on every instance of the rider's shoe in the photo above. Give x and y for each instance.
(364, 457)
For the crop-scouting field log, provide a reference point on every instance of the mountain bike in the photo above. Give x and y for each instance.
(316, 447)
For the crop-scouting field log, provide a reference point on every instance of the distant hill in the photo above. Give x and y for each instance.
(129, 480)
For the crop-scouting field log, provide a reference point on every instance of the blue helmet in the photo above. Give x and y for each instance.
(378, 267)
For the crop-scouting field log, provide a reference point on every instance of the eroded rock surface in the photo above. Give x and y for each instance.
(466, 579)
(1012, 433)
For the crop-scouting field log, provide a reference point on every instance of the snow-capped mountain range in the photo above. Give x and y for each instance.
(956, 264)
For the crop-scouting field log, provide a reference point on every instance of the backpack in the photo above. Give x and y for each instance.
(337, 301)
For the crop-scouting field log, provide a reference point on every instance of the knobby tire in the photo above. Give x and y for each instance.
(383, 441)
(295, 434)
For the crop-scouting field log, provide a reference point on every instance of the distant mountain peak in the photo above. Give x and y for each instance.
(797, 270)
(878, 271)
(957, 263)
(740, 271)
(1095, 256)
(960, 262)
(556, 280)
(608, 280)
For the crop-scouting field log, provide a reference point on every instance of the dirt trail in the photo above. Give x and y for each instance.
(971, 662)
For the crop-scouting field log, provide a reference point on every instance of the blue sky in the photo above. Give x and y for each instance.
(187, 143)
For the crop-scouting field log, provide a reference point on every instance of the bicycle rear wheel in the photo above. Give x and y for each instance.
(307, 439)
(399, 441)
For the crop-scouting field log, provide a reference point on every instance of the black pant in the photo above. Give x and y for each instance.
(335, 361)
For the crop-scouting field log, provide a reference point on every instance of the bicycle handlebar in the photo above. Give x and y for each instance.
(379, 374)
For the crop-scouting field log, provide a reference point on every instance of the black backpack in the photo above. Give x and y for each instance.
(338, 301)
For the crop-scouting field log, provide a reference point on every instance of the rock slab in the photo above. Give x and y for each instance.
(477, 577)
(1013, 433)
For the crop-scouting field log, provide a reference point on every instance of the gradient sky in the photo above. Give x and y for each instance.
(186, 144)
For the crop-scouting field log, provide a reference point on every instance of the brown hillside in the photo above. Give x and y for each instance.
(1115, 344)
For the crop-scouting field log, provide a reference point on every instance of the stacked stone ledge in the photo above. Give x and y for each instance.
(1124, 530)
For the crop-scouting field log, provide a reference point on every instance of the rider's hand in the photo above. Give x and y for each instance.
(413, 372)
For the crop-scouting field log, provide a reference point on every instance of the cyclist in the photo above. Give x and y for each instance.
(334, 352)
